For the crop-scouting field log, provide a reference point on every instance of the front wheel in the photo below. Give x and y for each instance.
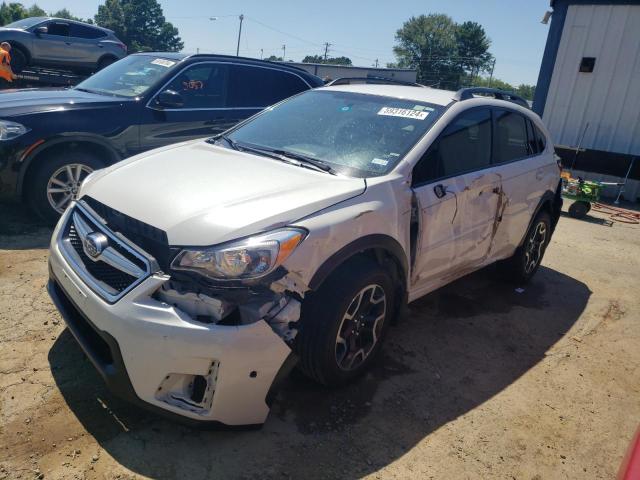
(56, 182)
(343, 323)
(18, 60)
(526, 260)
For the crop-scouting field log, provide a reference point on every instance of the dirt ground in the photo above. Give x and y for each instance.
(480, 382)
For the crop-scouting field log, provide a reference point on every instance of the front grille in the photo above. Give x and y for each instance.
(115, 268)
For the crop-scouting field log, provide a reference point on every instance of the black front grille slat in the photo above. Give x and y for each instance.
(149, 238)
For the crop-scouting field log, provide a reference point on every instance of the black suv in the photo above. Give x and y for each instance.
(50, 139)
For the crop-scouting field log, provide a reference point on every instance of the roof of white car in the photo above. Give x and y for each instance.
(420, 94)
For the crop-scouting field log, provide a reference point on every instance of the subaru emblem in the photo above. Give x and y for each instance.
(95, 243)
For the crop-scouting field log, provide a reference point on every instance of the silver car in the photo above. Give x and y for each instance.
(57, 42)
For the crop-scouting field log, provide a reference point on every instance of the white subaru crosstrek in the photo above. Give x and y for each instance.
(196, 275)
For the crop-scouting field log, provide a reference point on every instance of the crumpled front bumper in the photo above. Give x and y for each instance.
(147, 351)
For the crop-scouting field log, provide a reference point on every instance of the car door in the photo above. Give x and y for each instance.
(53, 46)
(84, 43)
(457, 197)
(204, 90)
(518, 152)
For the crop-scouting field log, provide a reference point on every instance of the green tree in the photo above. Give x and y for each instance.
(140, 24)
(64, 13)
(526, 91)
(36, 11)
(11, 12)
(428, 43)
(273, 58)
(472, 45)
(329, 61)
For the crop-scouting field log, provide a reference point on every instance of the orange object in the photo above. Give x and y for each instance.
(5, 65)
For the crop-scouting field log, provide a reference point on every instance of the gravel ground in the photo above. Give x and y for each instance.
(480, 382)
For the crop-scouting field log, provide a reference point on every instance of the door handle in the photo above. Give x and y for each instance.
(539, 174)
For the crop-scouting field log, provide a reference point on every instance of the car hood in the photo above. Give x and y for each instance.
(202, 194)
(37, 100)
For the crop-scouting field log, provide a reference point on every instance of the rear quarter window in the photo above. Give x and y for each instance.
(260, 87)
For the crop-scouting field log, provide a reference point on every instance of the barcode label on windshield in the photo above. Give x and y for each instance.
(163, 63)
(403, 112)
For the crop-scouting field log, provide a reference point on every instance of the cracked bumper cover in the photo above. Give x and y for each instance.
(138, 341)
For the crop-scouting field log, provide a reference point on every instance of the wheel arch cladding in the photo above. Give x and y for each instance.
(20, 46)
(99, 149)
(548, 203)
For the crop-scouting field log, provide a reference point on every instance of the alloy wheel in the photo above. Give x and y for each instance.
(535, 247)
(360, 327)
(64, 185)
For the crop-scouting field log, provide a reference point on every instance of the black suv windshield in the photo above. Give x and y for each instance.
(356, 134)
(130, 77)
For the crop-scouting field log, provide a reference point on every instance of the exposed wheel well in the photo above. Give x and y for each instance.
(22, 48)
(101, 152)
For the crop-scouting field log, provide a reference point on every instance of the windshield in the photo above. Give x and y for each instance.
(356, 134)
(130, 77)
(25, 23)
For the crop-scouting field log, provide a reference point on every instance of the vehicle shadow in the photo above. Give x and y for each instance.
(459, 347)
(605, 222)
(20, 229)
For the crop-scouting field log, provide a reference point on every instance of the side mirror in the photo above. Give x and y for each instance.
(170, 99)
(41, 30)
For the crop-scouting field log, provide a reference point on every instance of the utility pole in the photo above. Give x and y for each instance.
(284, 52)
(326, 50)
(376, 63)
(241, 17)
(493, 65)
(261, 53)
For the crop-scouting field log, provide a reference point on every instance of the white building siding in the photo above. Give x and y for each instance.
(608, 99)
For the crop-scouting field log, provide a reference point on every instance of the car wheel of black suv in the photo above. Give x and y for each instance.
(343, 323)
(56, 182)
(524, 263)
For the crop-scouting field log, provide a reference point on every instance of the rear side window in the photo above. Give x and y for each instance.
(202, 86)
(260, 87)
(58, 28)
(81, 31)
(510, 136)
(463, 146)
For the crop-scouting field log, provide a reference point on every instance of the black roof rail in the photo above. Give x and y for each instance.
(371, 80)
(469, 92)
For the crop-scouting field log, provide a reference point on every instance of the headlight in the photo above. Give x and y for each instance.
(10, 130)
(252, 257)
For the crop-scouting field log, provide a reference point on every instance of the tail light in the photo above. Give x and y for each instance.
(122, 46)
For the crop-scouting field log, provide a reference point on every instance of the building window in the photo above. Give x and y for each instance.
(587, 64)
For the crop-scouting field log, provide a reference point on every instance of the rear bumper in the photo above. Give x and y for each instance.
(148, 352)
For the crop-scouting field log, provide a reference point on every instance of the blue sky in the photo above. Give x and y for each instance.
(362, 30)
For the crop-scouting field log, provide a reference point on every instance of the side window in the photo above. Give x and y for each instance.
(540, 140)
(463, 146)
(58, 28)
(82, 31)
(261, 87)
(510, 136)
(202, 86)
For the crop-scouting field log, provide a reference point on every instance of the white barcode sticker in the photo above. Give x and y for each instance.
(380, 161)
(403, 112)
(163, 62)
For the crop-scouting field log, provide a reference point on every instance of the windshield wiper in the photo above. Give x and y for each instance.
(221, 136)
(306, 160)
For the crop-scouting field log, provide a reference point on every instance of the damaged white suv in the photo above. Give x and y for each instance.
(196, 275)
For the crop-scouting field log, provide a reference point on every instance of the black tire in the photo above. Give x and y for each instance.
(324, 312)
(105, 62)
(519, 268)
(47, 165)
(579, 209)
(19, 59)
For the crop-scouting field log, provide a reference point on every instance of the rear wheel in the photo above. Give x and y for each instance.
(525, 262)
(343, 323)
(19, 59)
(105, 62)
(57, 180)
